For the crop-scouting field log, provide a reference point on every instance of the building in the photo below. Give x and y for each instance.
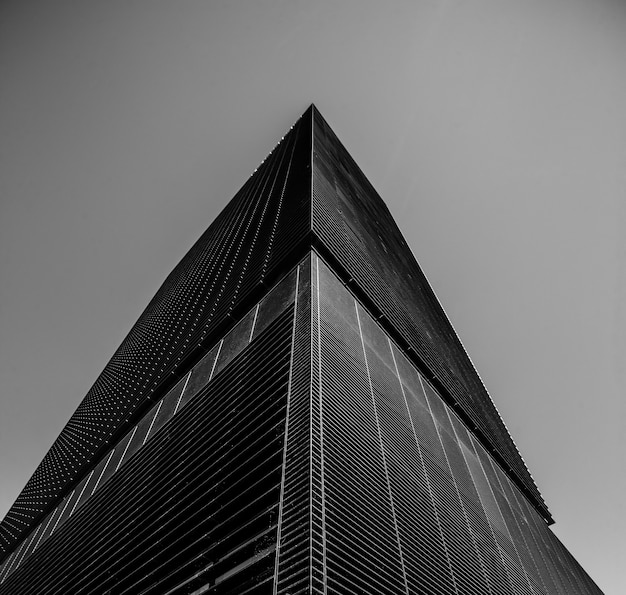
(292, 413)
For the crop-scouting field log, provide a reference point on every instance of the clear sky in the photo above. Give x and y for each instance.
(495, 130)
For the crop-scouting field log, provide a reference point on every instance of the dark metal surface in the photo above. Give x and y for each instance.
(247, 247)
(196, 505)
(277, 422)
(359, 236)
(411, 501)
(268, 226)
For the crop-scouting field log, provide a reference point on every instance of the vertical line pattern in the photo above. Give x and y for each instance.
(178, 472)
(481, 502)
(36, 533)
(67, 501)
(5, 566)
(313, 349)
(270, 242)
(145, 438)
(458, 494)
(44, 531)
(27, 543)
(95, 487)
(281, 501)
(132, 435)
(295, 565)
(382, 449)
(17, 555)
(217, 357)
(295, 465)
(81, 493)
(250, 241)
(321, 426)
(256, 313)
(513, 523)
(360, 237)
(509, 535)
(427, 479)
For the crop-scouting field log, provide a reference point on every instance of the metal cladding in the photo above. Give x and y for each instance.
(358, 234)
(246, 247)
(403, 497)
(191, 494)
(292, 413)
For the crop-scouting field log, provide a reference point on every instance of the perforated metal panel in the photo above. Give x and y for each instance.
(245, 249)
(287, 421)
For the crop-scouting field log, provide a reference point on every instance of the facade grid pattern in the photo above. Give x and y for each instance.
(292, 414)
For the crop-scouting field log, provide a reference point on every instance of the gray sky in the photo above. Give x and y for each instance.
(495, 130)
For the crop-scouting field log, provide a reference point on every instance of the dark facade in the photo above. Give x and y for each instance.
(292, 413)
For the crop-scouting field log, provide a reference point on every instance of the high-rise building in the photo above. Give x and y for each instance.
(292, 413)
